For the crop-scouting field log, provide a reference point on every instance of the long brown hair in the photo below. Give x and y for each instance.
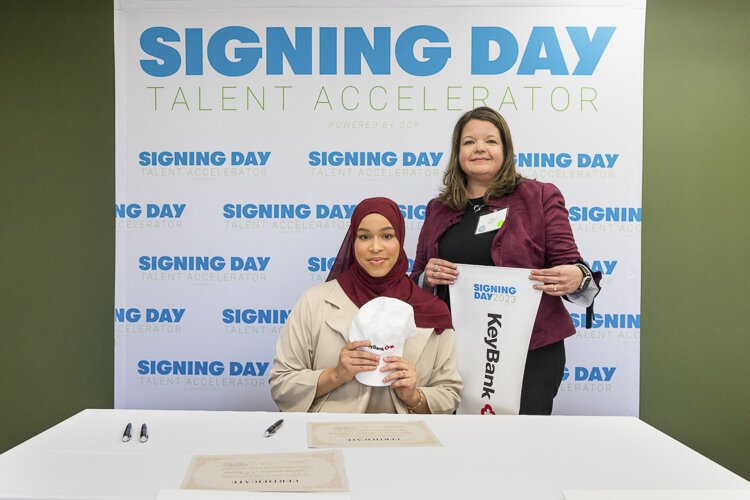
(453, 193)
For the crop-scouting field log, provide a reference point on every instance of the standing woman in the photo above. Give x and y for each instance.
(481, 178)
(316, 363)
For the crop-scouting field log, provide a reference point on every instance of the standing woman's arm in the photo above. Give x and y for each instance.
(420, 258)
(560, 245)
(561, 248)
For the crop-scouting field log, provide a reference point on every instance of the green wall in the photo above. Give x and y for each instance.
(695, 346)
(57, 198)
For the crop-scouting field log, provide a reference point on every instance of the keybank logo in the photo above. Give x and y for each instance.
(255, 316)
(382, 348)
(325, 264)
(621, 321)
(201, 263)
(202, 367)
(149, 315)
(605, 214)
(590, 373)
(421, 50)
(149, 211)
(305, 211)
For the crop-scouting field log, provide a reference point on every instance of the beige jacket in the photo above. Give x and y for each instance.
(312, 338)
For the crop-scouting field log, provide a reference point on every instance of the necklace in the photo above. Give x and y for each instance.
(476, 208)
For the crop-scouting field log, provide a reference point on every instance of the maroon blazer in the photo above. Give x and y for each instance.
(536, 234)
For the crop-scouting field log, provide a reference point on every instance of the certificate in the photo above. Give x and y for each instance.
(314, 471)
(369, 434)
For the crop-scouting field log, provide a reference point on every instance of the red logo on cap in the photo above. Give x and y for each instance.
(487, 409)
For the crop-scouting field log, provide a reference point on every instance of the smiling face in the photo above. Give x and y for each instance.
(481, 154)
(376, 247)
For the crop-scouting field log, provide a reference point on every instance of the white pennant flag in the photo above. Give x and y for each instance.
(493, 309)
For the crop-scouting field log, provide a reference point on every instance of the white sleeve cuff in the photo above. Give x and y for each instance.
(586, 297)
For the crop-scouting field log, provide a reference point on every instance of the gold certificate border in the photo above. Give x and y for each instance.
(416, 433)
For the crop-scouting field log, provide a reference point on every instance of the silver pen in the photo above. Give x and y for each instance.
(126, 435)
(144, 433)
(274, 427)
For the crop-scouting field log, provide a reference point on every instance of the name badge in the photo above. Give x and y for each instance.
(491, 221)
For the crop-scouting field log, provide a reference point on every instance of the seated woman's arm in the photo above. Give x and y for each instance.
(293, 381)
(443, 388)
(351, 362)
(295, 384)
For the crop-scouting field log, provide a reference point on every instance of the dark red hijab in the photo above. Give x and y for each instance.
(360, 287)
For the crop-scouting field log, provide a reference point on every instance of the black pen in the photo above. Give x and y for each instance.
(272, 430)
(126, 435)
(144, 433)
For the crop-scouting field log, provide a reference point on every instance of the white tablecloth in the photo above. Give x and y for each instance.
(518, 457)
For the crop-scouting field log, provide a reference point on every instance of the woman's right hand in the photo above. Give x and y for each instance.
(353, 361)
(440, 272)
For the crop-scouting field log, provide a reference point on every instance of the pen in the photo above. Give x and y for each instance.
(274, 427)
(144, 433)
(126, 434)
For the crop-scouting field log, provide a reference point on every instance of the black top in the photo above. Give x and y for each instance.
(460, 245)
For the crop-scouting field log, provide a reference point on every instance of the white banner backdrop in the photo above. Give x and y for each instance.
(498, 305)
(246, 135)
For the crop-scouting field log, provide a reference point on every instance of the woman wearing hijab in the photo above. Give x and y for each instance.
(315, 365)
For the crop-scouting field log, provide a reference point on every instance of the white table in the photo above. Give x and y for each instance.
(481, 457)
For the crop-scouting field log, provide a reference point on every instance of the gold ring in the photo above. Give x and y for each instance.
(435, 267)
(433, 275)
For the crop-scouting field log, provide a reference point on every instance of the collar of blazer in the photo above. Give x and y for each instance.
(341, 319)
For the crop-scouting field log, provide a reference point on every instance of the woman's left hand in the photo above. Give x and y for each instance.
(558, 280)
(405, 376)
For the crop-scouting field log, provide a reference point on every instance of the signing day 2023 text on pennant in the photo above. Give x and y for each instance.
(494, 309)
